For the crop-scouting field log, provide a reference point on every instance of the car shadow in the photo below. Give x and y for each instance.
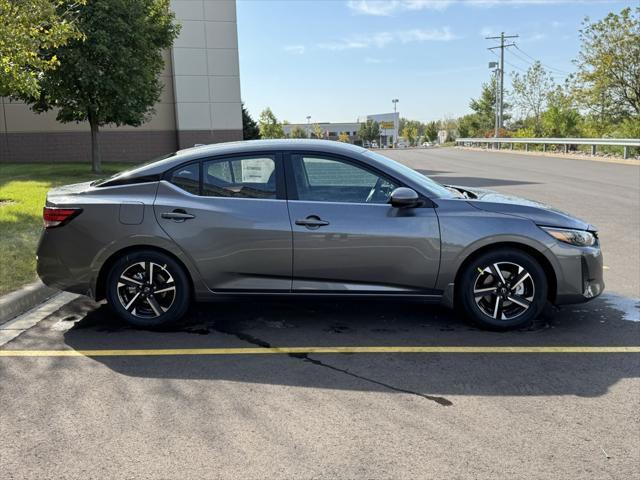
(477, 182)
(266, 323)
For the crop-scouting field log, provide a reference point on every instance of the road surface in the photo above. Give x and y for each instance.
(565, 404)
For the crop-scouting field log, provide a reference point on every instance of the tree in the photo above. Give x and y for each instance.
(250, 130)
(317, 131)
(343, 137)
(469, 126)
(269, 125)
(485, 109)
(369, 131)
(560, 119)
(29, 30)
(608, 77)
(530, 92)
(410, 132)
(431, 131)
(298, 132)
(110, 77)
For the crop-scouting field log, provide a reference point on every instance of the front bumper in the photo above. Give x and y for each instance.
(581, 273)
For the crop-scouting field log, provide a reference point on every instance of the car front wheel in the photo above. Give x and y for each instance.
(148, 289)
(503, 289)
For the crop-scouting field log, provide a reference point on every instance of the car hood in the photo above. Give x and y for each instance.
(539, 213)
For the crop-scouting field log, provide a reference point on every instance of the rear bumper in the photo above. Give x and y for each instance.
(57, 273)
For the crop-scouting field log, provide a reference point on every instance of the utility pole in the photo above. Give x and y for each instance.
(502, 46)
(308, 126)
(496, 69)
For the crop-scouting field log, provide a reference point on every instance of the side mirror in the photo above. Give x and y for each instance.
(403, 197)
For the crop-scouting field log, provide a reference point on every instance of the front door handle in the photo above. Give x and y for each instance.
(312, 221)
(178, 215)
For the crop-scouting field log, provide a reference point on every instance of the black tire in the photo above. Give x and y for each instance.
(151, 304)
(495, 310)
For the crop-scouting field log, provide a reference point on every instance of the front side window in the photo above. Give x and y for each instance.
(240, 177)
(330, 180)
(187, 178)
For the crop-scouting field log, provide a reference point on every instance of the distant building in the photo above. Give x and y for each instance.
(389, 123)
(200, 102)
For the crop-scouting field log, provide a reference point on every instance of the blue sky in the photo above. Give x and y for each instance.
(336, 60)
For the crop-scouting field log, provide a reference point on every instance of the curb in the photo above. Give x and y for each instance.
(16, 303)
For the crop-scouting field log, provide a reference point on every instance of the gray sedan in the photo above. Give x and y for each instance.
(318, 218)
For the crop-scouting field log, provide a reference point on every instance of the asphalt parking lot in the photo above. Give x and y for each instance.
(558, 400)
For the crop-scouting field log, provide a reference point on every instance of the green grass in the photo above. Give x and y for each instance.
(23, 189)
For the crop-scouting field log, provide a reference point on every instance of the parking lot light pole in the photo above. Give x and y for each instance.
(395, 137)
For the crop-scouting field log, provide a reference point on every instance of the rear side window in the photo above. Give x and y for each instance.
(240, 177)
(187, 178)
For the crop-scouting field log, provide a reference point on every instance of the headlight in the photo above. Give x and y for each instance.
(579, 238)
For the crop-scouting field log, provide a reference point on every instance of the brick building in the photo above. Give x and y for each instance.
(200, 102)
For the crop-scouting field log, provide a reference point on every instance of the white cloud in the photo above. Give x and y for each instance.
(383, 39)
(426, 4)
(534, 37)
(390, 7)
(488, 32)
(433, 35)
(361, 41)
(373, 7)
(295, 49)
(506, 3)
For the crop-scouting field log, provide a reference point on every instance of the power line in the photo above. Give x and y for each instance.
(511, 64)
(536, 60)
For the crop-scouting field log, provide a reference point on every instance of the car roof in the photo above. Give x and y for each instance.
(248, 146)
(273, 144)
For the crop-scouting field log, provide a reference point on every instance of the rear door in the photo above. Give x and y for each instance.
(230, 216)
(347, 238)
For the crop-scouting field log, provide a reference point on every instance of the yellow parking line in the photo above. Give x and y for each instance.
(308, 350)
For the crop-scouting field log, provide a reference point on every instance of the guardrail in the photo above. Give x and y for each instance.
(594, 142)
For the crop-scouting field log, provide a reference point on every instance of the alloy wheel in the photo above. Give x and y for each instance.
(503, 290)
(146, 289)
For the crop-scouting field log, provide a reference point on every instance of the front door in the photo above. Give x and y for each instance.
(347, 238)
(230, 216)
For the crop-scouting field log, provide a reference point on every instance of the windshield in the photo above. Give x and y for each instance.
(129, 171)
(439, 190)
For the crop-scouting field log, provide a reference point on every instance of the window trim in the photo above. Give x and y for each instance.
(292, 188)
(281, 193)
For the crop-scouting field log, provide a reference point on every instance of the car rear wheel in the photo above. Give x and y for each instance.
(148, 289)
(503, 289)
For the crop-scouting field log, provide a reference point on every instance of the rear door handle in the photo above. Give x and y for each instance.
(178, 215)
(312, 221)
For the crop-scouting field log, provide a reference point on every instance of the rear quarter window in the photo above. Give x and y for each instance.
(187, 178)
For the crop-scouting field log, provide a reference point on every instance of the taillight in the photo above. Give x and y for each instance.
(56, 217)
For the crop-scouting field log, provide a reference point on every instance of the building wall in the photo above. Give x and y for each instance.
(330, 130)
(206, 72)
(200, 102)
